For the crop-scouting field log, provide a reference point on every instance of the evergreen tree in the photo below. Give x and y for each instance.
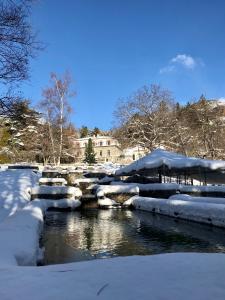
(5, 152)
(84, 131)
(95, 131)
(89, 153)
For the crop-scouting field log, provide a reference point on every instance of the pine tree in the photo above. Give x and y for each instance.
(84, 132)
(95, 131)
(89, 153)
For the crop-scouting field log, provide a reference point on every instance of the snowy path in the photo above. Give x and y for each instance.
(169, 276)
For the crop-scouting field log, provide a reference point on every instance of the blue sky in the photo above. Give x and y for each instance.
(113, 47)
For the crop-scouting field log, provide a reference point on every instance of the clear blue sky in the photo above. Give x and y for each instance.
(113, 47)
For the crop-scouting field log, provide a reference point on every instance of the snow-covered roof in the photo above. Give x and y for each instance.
(171, 160)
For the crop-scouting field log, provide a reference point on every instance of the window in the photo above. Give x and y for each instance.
(108, 143)
(100, 153)
(101, 143)
(108, 152)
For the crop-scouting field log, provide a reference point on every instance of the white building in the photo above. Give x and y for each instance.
(108, 149)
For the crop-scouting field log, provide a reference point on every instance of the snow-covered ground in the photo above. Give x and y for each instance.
(169, 276)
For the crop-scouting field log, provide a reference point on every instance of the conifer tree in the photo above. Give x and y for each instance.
(89, 153)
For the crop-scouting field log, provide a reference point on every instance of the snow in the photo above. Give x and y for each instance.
(198, 199)
(149, 186)
(55, 190)
(19, 236)
(106, 202)
(170, 276)
(203, 212)
(86, 180)
(21, 221)
(171, 160)
(27, 222)
(173, 186)
(203, 188)
(45, 180)
(15, 186)
(106, 179)
(117, 189)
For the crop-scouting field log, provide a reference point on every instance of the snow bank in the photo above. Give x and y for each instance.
(198, 199)
(20, 233)
(15, 188)
(170, 276)
(60, 191)
(202, 212)
(22, 220)
(171, 160)
(117, 189)
(19, 236)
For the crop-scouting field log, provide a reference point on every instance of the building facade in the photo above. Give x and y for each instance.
(107, 149)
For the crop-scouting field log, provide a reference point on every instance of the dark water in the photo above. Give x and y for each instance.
(91, 234)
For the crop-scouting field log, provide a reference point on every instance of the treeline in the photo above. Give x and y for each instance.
(84, 131)
(24, 137)
(151, 118)
(44, 135)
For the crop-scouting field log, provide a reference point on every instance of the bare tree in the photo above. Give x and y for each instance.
(144, 118)
(17, 45)
(56, 108)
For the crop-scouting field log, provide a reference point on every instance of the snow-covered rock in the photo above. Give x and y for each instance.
(85, 181)
(55, 191)
(117, 189)
(106, 179)
(106, 202)
(47, 181)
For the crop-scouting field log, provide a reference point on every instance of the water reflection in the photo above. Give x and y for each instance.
(90, 234)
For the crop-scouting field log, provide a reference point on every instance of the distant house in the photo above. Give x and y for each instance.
(107, 149)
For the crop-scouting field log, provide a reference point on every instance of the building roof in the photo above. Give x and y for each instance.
(171, 162)
(95, 137)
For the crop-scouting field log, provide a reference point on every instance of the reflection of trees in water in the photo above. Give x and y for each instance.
(94, 230)
(100, 233)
